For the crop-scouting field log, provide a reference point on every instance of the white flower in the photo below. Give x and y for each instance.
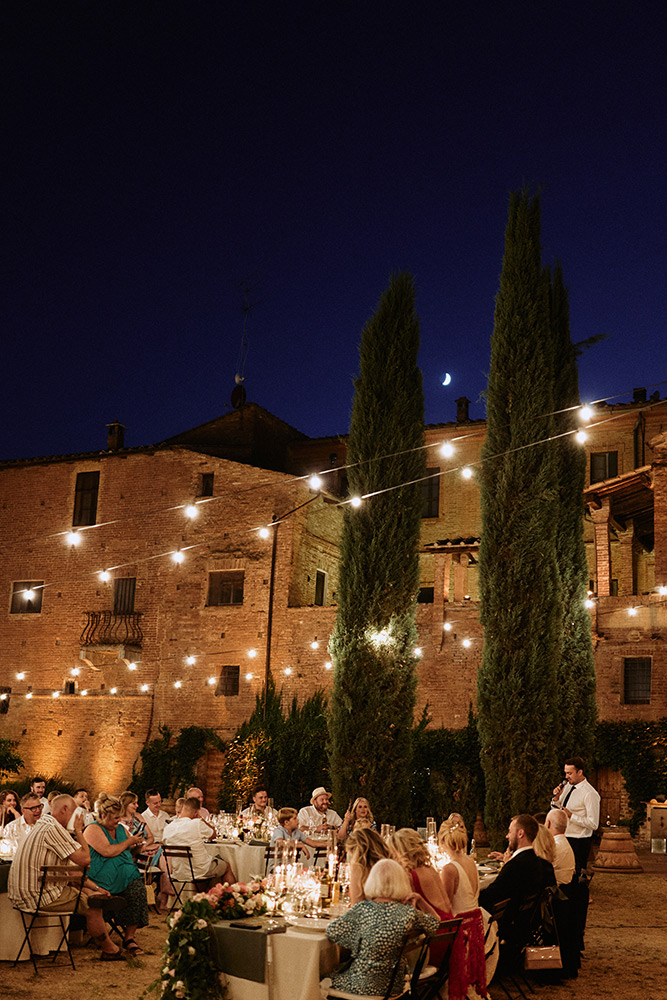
(179, 985)
(191, 950)
(201, 924)
(172, 972)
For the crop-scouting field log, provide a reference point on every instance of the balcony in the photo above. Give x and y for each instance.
(111, 628)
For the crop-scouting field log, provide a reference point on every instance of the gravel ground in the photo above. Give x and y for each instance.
(625, 957)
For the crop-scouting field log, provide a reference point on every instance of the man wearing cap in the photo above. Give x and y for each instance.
(319, 818)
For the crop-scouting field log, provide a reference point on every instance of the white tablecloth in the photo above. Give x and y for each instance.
(44, 939)
(296, 962)
(245, 860)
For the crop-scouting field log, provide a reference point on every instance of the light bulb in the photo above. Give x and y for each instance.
(211, 681)
(328, 665)
(356, 501)
(177, 684)
(29, 694)
(84, 692)
(467, 643)
(288, 671)
(585, 413)
(191, 511)
(113, 690)
(248, 677)
(264, 532)
(417, 651)
(177, 556)
(190, 660)
(446, 449)
(75, 671)
(105, 576)
(632, 611)
(315, 482)
(589, 604)
(144, 687)
(662, 591)
(252, 653)
(55, 694)
(466, 472)
(29, 595)
(131, 666)
(447, 627)
(21, 675)
(315, 644)
(3, 697)
(581, 436)
(72, 537)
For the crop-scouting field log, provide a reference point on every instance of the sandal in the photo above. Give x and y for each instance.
(131, 945)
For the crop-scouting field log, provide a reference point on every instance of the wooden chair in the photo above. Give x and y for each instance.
(433, 977)
(515, 927)
(174, 853)
(416, 943)
(52, 875)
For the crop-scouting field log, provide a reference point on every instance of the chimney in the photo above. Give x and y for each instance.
(115, 436)
(639, 395)
(462, 404)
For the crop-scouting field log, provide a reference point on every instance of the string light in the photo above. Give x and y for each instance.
(190, 660)
(191, 511)
(418, 651)
(467, 643)
(264, 532)
(29, 595)
(315, 644)
(3, 697)
(288, 671)
(446, 449)
(581, 437)
(132, 666)
(84, 692)
(211, 681)
(178, 556)
(466, 472)
(252, 653)
(29, 695)
(72, 537)
(632, 611)
(589, 603)
(328, 665)
(315, 482)
(75, 671)
(355, 501)
(21, 675)
(55, 694)
(105, 576)
(248, 677)
(144, 687)
(178, 684)
(586, 413)
(662, 591)
(113, 690)
(447, 626)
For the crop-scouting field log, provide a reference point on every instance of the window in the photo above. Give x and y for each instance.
(85, 498)
(604, 465)
(69, 687)
(206, 485)
(637, 680)
(228, 685)
(4, 700)
(225, 587)
(425, 595)
(320, 586)
(123, 595)
(431, 494)
(27, 597)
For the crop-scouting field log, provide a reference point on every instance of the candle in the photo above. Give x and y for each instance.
(332, 864)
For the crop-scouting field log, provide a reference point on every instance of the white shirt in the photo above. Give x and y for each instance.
(564, 864)
(187, 831)
(584, 804)
(156, 824)
(309, 816)
(79, 811)
(17, 831)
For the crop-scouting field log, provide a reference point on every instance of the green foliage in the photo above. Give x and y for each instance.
(520, 597)
(575, 673)
(172, 767)
(447, 773)
(54, 782)
(373, 698)
(187, 968)
(10, 761)
(639, 751)
(283, 747)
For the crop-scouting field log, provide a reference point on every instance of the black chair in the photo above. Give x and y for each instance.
(516, 928)
(174, 853)
(52, 875)
(433, 978)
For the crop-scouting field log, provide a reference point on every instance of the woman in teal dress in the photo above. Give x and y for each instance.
(112, 866)
(373, 930)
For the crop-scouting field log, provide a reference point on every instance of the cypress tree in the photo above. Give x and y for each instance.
(520, 601)
(576, 668)
(372, 645)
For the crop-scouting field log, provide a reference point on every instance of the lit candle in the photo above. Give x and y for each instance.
(332, 864)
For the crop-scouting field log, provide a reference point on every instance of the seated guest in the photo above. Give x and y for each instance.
(155, 817)
(288, 829)
(544, 845)
(38, 788)
(361, 813)
(564, 863)
(9, 806)
(134, 824)
(196, 793)
(189, 830)
(459, 876)
(112, 866)
(178, 809)
(18, 829)
(364, 848)
(260, 809)
(407, 847)
(373, 930)
(82, 808)
(319, 818)
(51, 844)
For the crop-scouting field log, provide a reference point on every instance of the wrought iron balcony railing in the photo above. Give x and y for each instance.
(111, 628)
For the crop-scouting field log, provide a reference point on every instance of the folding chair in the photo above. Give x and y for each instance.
(52, 875)
(515, 926)
(174, 853)
(269, 856)
(415, 941)
(433, 977)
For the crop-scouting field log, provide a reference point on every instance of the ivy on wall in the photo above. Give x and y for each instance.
(639, 751)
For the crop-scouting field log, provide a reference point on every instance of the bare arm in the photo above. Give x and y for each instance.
(356, 887)
(450, 880)
(94, 836)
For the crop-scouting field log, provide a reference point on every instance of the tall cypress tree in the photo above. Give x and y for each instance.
(576, 668)
(520, 600)
(372, 645)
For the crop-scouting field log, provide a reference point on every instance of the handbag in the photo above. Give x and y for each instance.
(542, 957)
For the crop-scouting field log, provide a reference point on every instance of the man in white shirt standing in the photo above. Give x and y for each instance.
(319, 818)
(564, 865)
(191, 831)
(154, 816)
(581, 804)
(17, 831)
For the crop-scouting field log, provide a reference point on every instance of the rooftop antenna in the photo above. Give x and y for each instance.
(238, 397)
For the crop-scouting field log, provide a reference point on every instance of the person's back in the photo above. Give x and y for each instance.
(188, 831)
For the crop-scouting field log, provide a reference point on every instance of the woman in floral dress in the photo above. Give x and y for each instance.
(373, 930)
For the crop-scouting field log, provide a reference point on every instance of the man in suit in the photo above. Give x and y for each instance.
(523, 876)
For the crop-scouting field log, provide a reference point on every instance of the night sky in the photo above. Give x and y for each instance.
(157, 156)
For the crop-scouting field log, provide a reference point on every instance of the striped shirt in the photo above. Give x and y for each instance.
(48, 844)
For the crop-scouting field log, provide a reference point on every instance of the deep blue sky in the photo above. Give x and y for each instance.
(156, 155)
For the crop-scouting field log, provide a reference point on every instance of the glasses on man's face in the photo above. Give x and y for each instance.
(33, 808)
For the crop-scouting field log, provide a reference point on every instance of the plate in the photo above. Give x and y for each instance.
(316, 925)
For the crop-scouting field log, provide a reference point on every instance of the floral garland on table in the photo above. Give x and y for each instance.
(188, 971)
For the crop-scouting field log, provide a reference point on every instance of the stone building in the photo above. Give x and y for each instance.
(91, 665)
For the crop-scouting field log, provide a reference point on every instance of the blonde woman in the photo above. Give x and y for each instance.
(407, 847)
(459, 876)
(364, 848)
(361, 813)
(544, 844)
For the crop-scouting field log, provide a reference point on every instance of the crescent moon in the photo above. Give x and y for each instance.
(447, 379)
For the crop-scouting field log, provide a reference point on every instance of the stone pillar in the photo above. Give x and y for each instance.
(461, 576)
(601, 517)
(659, 470)
(627, 579)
